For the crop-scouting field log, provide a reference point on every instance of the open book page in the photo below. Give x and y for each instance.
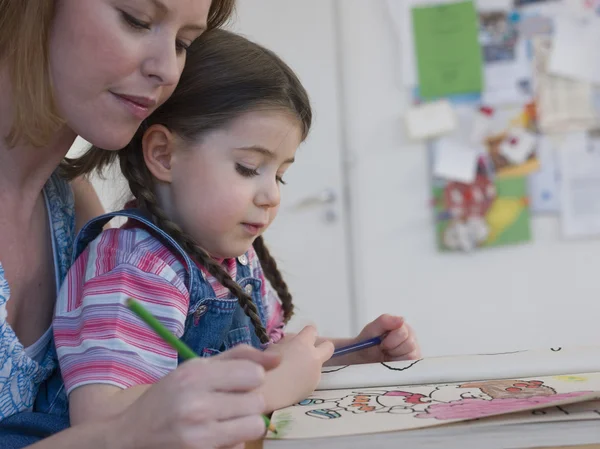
(578, 411)
(540, 362)
(395, 408)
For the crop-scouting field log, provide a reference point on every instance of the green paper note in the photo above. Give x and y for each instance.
(448, 53)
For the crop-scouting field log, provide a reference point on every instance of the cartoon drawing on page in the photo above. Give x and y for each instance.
(471, 400)
(394, 401)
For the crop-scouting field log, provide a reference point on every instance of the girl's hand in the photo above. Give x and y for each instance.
(204, 403)
(297, 376)
(399, 343)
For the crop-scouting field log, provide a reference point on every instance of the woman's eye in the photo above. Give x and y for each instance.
(135, 23)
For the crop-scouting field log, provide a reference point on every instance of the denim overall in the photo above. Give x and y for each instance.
(212, 325)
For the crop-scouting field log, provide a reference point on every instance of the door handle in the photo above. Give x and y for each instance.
(325, 197)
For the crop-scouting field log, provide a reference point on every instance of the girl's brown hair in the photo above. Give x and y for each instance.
(225, 76)
(24, 30)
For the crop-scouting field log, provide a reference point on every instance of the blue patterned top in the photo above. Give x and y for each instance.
(20, 375)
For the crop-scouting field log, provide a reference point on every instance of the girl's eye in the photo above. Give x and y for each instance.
(280, 180)
(245, 171)
(135, 23)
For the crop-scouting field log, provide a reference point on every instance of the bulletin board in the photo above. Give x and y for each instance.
(529, 279)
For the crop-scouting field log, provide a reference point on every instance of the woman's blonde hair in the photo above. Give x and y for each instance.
(24, 30)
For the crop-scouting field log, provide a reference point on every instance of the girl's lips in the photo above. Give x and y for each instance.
(253, 228)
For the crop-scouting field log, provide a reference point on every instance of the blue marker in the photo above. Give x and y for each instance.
(358, 346)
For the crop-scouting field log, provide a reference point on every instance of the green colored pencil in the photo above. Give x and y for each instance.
(182, 349)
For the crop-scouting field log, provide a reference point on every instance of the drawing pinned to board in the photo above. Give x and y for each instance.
(498, 36)
(506, 66)
(486, 212)
(512, 145)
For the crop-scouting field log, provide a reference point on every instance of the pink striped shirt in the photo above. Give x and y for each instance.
(98, 340)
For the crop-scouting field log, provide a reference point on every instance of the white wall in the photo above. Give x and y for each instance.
(111, 188)
(539, 294)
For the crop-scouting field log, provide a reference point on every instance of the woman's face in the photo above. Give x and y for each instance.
(113, 62)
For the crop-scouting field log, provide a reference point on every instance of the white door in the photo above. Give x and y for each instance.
(309, 238)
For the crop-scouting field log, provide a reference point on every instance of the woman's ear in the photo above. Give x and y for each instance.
(158, 144)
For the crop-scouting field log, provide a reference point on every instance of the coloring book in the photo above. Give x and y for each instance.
(524, 399)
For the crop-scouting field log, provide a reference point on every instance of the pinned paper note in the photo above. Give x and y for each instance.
(448, 53)
(575, 49)
(430, 120)
(507, 67)
(563, 104)
(455, 162)
(518, 146)
(579, 186)
(482, 125)
(543, 184)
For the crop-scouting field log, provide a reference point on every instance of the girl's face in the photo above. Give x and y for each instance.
(113, 62)
(225, 189)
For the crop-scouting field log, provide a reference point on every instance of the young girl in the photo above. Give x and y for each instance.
(205, 170)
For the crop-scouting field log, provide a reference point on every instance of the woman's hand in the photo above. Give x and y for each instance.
(204, 403)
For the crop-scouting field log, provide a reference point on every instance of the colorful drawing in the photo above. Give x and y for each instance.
(483, 214)
(498, 36)
(571, 378)
(442, 402)
(503, 166)
(418, 394)
(380, 401)
(510, 137)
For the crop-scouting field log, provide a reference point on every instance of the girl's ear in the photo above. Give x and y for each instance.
(158, 144)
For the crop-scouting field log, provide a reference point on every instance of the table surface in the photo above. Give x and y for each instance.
(258, 445)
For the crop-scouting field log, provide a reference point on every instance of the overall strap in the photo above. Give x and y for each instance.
(94, 228)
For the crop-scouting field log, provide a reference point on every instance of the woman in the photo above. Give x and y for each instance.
(94, 69)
